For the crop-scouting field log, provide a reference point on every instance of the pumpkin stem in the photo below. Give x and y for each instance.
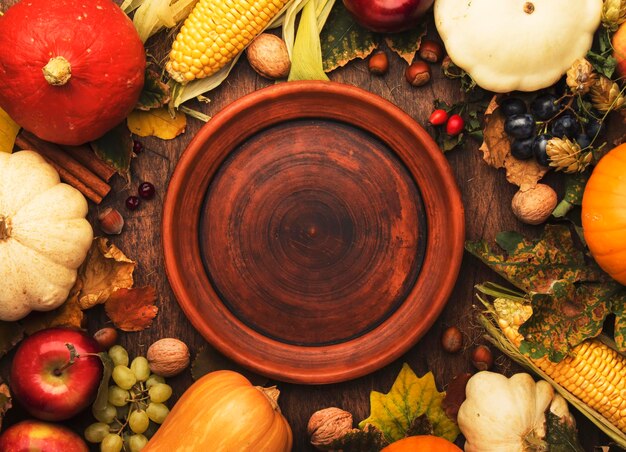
(529, 8)
(5, 228)
(58, 71)
(272, 394)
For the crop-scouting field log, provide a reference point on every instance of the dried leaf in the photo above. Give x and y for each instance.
(116, 148)
(562, 434)
(69, 314)
(407, 43)
(410, 397)
(496, 149)
(343, 40)
(8, 132)
(534, 265)
(5, 401)
(132, 309)
(158, 123)
(370, 439)
(209, 360)
(155, 93)
(105, 270)
(10, 334)
(455, 395)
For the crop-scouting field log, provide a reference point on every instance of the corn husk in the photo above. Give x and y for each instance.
(489, 320)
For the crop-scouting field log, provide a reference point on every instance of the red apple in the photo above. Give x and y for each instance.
(387, 16)
(619, 49)
(45, 382)
(37, 436)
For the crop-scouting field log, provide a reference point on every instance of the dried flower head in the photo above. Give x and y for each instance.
(567, 156)
(580, 76)
(613, 13)
(606, 95)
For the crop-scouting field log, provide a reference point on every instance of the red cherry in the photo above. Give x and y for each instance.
(438, 117)
(455, 125)
(137, 146)
(132, 202)
(146, 190)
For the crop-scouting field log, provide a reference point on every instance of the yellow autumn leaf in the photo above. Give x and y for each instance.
(156, 122)
(8, 132)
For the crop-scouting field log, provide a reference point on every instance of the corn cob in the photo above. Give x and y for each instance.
(215, 32)
(593, 372)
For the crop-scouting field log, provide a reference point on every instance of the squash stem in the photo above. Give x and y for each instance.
(5, 228)
(58, 71)
(271, 394)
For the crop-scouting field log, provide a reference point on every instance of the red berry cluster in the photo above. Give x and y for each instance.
(145, 190)
(454, 123)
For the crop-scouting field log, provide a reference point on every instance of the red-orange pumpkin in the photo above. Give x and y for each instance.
(422, 443)
(604, 213)
(70, 70)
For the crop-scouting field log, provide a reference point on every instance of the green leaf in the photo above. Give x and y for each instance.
(574, 188)
(116, 149)
(209, 360)
(409, 398)
(509, 241)
(533, 265)
(155, 93)
(561, 434)
(343, 40)
(10, 334)
(604, 64)
(306, 59)
(100, 403)
(619, 330)
(407, 43)
(565, 317)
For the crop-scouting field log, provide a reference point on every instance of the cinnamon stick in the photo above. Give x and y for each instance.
(84, 155)
(69, 169)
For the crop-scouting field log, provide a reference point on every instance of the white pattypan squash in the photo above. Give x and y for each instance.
(44, 236)
(509, 45)
(503, 414)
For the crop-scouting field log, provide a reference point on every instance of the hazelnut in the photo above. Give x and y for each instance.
(418, 73)
(482, 358)
(168, 357)
(452, 340)
(111, 221)
(268, 56)
(328, 425)
(378, 63)
(534, 205)
(106, 337)
(431, 51)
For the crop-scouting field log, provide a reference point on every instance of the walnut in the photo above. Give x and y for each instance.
(328, 425)
(168, 357)
(268, 56)
(534, 205)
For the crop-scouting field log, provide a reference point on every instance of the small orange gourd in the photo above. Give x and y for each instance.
(422, 443)
(222, 411)
(604, 213)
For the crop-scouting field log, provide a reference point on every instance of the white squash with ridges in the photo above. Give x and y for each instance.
(44, 236)
(509, 45)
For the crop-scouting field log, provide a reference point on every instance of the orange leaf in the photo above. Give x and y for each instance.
(132, 309)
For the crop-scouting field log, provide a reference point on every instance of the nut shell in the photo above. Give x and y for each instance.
(268, 56)
(534, 205)
(328, 425)
(168, 357)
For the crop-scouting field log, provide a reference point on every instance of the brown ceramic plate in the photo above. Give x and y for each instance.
(312, 232)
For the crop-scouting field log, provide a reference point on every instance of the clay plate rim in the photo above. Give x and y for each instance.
(332, 363)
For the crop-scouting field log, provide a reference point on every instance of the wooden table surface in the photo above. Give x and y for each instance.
(486, 196)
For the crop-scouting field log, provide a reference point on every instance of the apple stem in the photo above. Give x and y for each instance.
(73, 355)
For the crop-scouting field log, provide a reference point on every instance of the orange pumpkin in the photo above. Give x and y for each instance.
(422, 443)
(604, 213)
(222, 411)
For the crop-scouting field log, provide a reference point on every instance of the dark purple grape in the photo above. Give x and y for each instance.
(594, 128)
(512, 106)
(520, 126)
(539, 149)
(545, 107)
(522, 148)
(583, 140)
(565, 126)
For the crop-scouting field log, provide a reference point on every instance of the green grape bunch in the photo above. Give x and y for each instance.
(135, 405)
